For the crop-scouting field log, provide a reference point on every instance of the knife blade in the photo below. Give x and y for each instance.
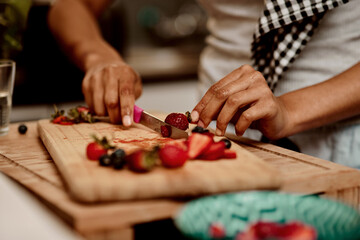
(152, 122)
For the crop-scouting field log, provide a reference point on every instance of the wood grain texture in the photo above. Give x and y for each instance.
(89, 182)
(25, 159)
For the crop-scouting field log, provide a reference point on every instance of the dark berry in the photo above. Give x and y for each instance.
(22, 129)
(118, 158)
(199, 129)
(105, 160)
(227, 143)
(118, 153)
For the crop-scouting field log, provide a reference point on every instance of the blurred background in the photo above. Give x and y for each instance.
(161, 39)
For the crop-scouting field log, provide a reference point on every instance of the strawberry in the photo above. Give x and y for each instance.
(83, 109)
(178, 120)
(63, 120)
(270, 230)
(296, 231)
(142, 160)
(217, 230)
(173, 156)
(165, 131)
(229, 154)
(97, 148)
(197, 144)
(94, 151)
(260, 231)
(179, 143)
(214, 152)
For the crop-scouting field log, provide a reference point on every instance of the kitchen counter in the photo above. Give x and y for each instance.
(25, 159)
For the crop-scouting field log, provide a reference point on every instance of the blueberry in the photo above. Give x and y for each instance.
(199, 129)
(227, 142)
(105, 160)
(118, 158)
(22, 129)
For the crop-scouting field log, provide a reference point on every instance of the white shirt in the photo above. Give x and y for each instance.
(334, 47)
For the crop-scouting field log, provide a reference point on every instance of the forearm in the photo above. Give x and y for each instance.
(74, 24)
(333, 100)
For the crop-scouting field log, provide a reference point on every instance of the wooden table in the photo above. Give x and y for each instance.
(25, 159)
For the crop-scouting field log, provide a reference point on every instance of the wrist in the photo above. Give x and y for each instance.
(95, 53)
(292, 122)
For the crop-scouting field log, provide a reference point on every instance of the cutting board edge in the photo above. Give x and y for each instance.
(76, 189)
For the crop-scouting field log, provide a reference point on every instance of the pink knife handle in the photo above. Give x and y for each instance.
(137, 113)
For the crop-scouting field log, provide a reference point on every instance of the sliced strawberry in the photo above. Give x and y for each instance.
(197, 144)
(229, 154)
(183, 144)
(165, 130)
(95, 150)
(178, 120)
(81, 109)
(59, 119)
(214, 152)
(296, 231)
(172, 156)
(66, 123)
(141, 160)
(217, 230)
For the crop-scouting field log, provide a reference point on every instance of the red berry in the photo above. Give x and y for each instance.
(296, 231)
(217, 230)
(141, 160)
(95, 150)
(178, 120)
(214, 152)
(172, 156)
(81, 109)
(197, 144)
(165, 131)
(229, 154)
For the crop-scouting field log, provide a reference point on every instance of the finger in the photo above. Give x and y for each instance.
(219, 98)
(232, 105)
(111, 96)
(127, 96)
(87, 92)
(252, 114)
(234, 75)
(98, 93)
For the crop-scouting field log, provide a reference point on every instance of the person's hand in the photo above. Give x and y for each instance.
(244, 98)
(111, 89)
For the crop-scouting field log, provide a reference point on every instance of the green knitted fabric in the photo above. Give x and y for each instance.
(332, 220)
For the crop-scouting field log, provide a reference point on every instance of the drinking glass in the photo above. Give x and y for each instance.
(7, 78)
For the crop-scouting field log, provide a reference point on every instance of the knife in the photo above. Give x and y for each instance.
(152, 122)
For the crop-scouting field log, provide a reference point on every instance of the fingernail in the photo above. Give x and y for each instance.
(126, 121)
(218, 132)
(194, 116)
(200, 124)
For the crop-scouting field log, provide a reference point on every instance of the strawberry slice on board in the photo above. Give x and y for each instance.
(229, 154)
(173, 156)
(142, 160)
(214, 152)
(197, 144)
(95, 150)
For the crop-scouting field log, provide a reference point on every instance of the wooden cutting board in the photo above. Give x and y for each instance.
(88, 182)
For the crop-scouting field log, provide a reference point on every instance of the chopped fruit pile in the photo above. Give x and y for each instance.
(270, 230)
(78, 114)
(173, 154)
